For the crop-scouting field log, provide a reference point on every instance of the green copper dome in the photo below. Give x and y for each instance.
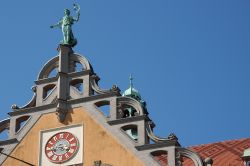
(246, 153)
(132, 92)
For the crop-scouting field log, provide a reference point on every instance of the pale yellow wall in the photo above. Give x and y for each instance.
(98, 144)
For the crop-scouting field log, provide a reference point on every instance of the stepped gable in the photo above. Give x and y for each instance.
(68, 82)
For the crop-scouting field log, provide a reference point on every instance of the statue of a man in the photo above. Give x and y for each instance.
(66, 25)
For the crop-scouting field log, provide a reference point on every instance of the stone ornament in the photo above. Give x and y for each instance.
(99, 163)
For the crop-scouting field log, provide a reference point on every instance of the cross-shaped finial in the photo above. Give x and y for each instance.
(131, 80)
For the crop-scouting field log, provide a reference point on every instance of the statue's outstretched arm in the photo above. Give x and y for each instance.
(77, 9)
(77, 17)
(56, 25)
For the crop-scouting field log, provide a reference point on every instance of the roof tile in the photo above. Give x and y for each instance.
(226, 153)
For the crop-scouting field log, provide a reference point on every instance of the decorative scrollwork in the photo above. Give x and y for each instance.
(48, 67)
(190, 154)
(82, 60)
(128, 102)
(54, 62)
(31, 103)
(94, 84)
(178, 159)
(4, 124)
(156, 139)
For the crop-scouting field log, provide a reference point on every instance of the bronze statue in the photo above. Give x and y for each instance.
(66, 24)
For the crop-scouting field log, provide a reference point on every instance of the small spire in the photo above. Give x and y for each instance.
(131, 91)
(131, 81)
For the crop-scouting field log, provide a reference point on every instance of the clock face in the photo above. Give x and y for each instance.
(61, 147)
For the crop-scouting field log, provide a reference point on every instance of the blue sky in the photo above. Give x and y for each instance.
(190, 59)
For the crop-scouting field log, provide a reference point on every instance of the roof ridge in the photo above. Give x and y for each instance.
(241, 139)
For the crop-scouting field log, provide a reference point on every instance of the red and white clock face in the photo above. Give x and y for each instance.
(61, 147)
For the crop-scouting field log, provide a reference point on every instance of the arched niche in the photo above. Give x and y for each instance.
(20, 122)
(126, 111)
(131, 131)
(161, 156)
(53, 73)
(47, 90)
(78, 67)
(78, 85)
(128, 107)
(51, 65)
(104, 107)
(78, 63)
(4, 129)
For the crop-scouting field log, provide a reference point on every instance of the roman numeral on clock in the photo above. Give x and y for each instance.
(50, 154)
(54, 157)
(66, 155)
(71, 139)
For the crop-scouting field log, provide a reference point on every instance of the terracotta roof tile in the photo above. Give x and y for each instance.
(226, 153)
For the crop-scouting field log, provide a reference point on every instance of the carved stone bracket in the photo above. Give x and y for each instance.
(62, 110)
(99, 163)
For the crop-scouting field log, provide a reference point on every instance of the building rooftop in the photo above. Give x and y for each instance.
(226, 153)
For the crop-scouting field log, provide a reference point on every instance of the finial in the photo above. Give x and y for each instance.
(131, 80)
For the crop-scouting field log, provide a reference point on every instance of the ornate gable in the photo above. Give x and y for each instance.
(74, 86)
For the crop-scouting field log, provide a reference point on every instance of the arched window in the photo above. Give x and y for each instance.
(131, 131)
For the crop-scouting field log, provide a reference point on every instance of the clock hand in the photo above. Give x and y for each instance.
(60, 147)
(66, 147)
